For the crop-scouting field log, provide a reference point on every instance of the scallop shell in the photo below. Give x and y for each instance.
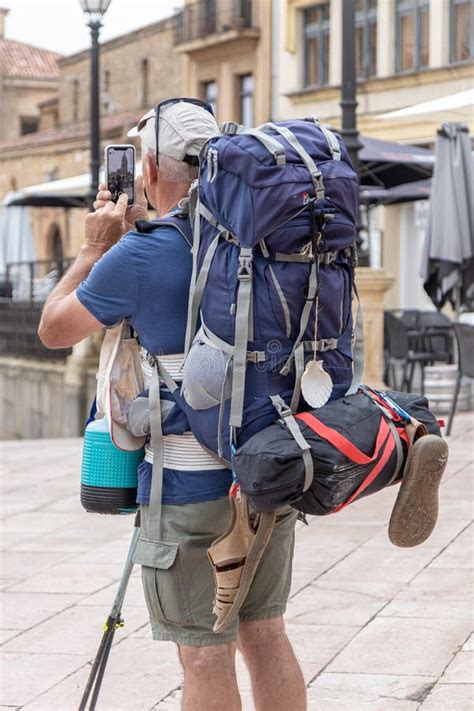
(316, 384)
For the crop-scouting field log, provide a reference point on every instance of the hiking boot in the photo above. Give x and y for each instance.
(415, 511)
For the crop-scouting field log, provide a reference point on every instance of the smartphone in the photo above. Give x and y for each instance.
(120, 171)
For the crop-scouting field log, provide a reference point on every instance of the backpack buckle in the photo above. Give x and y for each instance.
(229, 128)
(280, 156)
(244, 272)
(318, 183)
(281, 407)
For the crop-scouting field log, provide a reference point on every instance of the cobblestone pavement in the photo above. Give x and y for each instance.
(375, 627)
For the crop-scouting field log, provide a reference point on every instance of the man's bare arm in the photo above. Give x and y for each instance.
(65, 321)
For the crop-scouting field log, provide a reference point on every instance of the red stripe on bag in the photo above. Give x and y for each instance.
(343, 444)
(372, 475)
(403, 435)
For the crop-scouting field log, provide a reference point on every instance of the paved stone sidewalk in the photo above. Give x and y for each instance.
(375, 628)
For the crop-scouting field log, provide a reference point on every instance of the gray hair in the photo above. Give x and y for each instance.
(175, 171)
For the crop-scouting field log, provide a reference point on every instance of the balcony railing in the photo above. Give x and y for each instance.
(19, 321)
(24, 287)
(209, 17)
(32, 281)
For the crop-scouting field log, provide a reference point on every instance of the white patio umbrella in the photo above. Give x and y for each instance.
(459, 104)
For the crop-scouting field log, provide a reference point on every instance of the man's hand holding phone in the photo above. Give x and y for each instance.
(105, 226)
(138, 211)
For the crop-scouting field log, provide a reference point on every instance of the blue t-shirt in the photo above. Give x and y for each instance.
(145, 279)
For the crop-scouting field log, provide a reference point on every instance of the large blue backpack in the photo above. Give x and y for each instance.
(273, 237)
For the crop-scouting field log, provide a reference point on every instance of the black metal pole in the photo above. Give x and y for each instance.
(95, 26)
(349, 86)
(348, 101)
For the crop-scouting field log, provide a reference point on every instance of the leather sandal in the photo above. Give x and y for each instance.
(235, 557)
(415, 512)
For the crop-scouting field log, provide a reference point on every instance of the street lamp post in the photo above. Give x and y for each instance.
(348, 101)
(349, 86)
(95, 10)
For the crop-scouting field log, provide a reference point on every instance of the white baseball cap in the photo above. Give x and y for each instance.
(184, 129)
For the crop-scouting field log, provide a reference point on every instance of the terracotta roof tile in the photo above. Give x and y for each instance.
(18, 59)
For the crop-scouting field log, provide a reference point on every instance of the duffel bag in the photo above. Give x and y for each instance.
(358, 445)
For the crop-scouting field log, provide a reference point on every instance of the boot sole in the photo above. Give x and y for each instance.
(415, 512)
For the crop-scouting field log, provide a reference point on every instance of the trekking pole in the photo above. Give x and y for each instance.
(113, 621)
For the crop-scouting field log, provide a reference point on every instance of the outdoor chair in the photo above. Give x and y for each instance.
(404, 345)
(465, 341)
(436, 332)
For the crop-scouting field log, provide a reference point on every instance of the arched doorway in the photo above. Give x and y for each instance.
(57, 250)
(54, 253)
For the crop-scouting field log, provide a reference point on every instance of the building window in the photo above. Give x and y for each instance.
(75, 100)
(366, 38)
(316, 45)
(246, 100)
(145, 72)
(28, 124)
(413, 34)
(462, 30)
(209, 94)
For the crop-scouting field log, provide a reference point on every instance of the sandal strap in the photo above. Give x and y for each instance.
(228, 578)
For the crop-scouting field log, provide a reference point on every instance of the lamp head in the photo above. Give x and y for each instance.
(96, 9)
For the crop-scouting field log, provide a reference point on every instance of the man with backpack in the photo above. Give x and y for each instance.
(141, 273)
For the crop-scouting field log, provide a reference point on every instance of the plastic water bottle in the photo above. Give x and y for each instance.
(109, 474)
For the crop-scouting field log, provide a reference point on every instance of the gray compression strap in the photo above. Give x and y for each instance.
(221, 410)
(358, 348)
(212, 340)
(305, 314)
(156, 433)
(195, 297)
(323, 257)
(241, 336)
(264, 248)
(194, 251)
(207, 214)
(250, 335)
(285, 413)
(283, 301)
(273, 146)
(399, 449)
(332, 142)
(296, 257)
(331, 139)
(322, 345)
(167, 379)
(299, 368)
(315, 173)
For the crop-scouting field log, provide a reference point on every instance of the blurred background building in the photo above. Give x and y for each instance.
(254, 60)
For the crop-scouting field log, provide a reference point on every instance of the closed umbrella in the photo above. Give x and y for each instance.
(448, 255)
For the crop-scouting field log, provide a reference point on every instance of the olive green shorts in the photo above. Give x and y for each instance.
(177, 576)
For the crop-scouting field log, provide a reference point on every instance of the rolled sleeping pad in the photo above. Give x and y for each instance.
(354, 455)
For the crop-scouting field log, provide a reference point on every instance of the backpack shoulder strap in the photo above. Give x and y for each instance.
(179, 220)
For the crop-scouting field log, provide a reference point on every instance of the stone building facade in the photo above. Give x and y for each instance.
(226, 51)
(50, 399)
(28, 76)
(137, 70)
(407, 52)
